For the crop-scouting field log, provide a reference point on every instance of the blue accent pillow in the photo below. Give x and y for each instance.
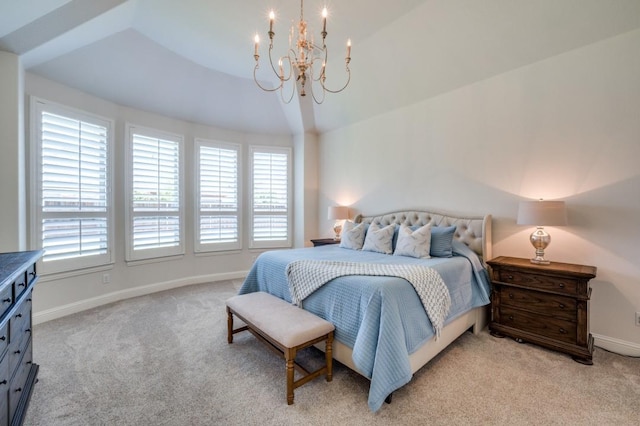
(442, 241)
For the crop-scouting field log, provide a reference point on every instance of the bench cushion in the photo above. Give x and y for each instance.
(282, 321)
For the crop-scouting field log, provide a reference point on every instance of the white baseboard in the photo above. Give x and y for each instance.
(83, 305)
(615, 345)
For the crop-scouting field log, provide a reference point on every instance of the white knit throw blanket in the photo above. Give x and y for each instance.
(306, 276)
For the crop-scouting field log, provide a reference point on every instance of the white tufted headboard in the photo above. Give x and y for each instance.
(475, 232)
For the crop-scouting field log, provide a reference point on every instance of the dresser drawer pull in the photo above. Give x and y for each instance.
(28, 330)
(18, 315)
(17, 352)
(563, 331)
(561, 305)
(22, 284)
(561, 285)
(19, 390)
(510, 277)
(32, 273)
(510, 295)
(3, 338)
(4, 382)
(511, 317)
(7, 300)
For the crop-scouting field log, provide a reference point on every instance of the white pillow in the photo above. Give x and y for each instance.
(379, 240)
(414, 243)
(353, 235)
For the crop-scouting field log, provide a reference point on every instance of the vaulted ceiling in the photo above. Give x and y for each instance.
(193, 59)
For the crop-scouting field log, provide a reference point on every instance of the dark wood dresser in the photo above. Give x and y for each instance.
(543, 304)
(17, 370)
(324, 242)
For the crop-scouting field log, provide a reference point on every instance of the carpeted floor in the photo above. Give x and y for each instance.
(163, 359)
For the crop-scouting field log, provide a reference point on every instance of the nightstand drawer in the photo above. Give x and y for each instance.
(538, 281)
(552, 328)
(540, 303)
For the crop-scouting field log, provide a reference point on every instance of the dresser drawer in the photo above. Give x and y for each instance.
(541, 303)
(19, 285)
(538, 281)
(6, 299)
(5, 376)
(30, 273)
(550, 327)
(20, 334)
(4, 337)
(17, 386)
(20, 321)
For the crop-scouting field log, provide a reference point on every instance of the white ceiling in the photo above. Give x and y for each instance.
(193, 59)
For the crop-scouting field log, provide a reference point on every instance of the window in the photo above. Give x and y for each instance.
(270, 197)
(72, 204)
(218, 218)
(155, 213)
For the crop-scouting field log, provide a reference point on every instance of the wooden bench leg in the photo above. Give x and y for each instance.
(290, 356)
(229, 326)
(328, 352)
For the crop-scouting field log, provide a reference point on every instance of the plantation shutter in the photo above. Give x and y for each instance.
(73, 199)
(218, 218)
(271, 198)
(155, 205)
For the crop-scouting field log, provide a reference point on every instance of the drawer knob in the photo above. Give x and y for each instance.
(17, 352)
(511, 317)
(561, 285)
(4, 382)
(32, 273)
(561, 305)
(21, 284)
(18, 315)
(28, 330)
(19, 390)
(563, 331)
(510, 295)
(510, 277)
(7, 300)
(3, 338)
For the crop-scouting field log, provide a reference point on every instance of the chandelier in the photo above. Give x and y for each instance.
(304, 61)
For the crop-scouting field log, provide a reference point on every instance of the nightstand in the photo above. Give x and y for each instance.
(324, 242)
(543, 304)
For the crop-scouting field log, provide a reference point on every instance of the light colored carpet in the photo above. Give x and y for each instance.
(163, 359)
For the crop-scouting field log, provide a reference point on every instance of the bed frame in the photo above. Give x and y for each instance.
(475, 232)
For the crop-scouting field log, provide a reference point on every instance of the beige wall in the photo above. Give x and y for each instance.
(567, 127)
(12, 161)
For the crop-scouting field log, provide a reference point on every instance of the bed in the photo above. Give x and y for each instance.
(382, 330)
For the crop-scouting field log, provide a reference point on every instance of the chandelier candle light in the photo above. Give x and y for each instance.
(541, 213)
(302, 60)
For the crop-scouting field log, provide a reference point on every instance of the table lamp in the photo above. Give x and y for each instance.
(541, 213)
(338, 213)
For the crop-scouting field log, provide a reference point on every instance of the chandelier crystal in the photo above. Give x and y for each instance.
(304, 62)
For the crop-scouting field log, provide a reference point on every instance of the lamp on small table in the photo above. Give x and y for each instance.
(541, 213)
(338, 213)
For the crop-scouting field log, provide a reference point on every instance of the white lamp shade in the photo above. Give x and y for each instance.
(542, 213)
(338, 212)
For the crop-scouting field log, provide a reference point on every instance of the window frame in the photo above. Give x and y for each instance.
(132, 255)
(77, 263)
(200, 247)
(267, 244)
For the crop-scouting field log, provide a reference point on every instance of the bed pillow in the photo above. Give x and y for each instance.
(379, 239)
(441, 241)
(414, 243)
(353, 235)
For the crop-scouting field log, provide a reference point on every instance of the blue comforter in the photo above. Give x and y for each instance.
(380, 318)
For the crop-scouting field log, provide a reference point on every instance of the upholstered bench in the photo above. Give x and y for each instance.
(284, 328)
